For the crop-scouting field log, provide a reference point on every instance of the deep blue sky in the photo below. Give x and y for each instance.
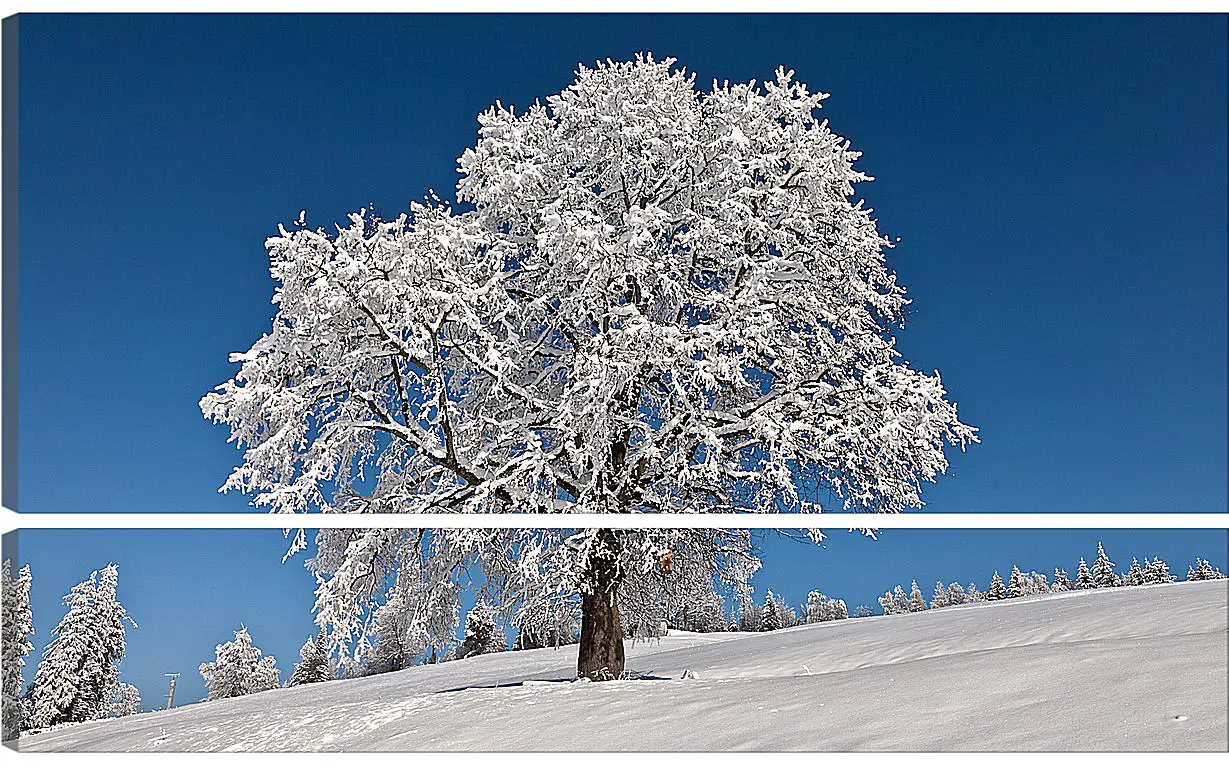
(191, 589)
(1059, 184)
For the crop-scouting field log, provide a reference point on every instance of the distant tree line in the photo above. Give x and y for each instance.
(1020, 584)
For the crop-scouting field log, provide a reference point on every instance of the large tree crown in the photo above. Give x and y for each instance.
(655, 299)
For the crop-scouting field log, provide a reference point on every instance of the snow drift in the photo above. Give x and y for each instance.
(1132, 669)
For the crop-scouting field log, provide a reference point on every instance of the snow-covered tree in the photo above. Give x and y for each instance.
(546, 625)
(956, 594)
(657, 300)
(1135, 576)
(80, 666)
(820, 607)
(900, 599)
(1203, 570)
(18, 626)
(314, 665)
(862, 612)
(939, 598)
(772, 619)
(1156, 571)
(1103, 570)
(681, 591)
(481, 634)
(125, 700)
(815, 606)
(751, 619)
(1062, 582)
(239, 669)
(1084, 578)
(974, 595)
(888, 603)
(917, 601)
(996, 591)
(786, 613)
(1015, 585)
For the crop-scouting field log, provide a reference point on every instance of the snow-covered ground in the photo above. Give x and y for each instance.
(1135, 669)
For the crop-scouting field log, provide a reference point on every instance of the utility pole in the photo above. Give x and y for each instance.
(170, 697)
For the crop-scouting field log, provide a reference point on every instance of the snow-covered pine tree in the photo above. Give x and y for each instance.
(973, 594)
(80, 666)
(125, 700)
(1103, 570)
(239, 669)
(900, 599)
(314, 665)
(888, 604)
(1016, 586)
(481, 634)
(772, 619)
(996, 591)
(1084, 578)
(1135, 576)
(1203, 570)
(917, 601)
(940, 598)
(956, 594)
(837, 610)
(18, 625)
(1156, 571)
(1062, 582)
(862, 612)
(628, 248)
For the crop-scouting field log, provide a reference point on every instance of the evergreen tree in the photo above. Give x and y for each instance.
(940, 598)
(789, 617)
(1135, 576)
(917, 602)
(888, 604)
(1083, 577)
(1016, 586)
(1103, 570)
(1156, 571)
(1062, 582)
(1203, 571)
(125, 700)
(772, 619)
(973, 594)
(956, 594)
(900, 599)
(314, 665)
(997, 591)
(837, 610)
(239, 669)
(80, 667)
(481, 634)
(862, 612)
(18, 625)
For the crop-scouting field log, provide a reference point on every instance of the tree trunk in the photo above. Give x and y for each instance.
(601, 633)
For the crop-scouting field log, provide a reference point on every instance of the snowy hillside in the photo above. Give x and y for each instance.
(1140, 668)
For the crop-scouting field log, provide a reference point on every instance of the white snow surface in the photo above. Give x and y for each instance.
(1129, 669)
